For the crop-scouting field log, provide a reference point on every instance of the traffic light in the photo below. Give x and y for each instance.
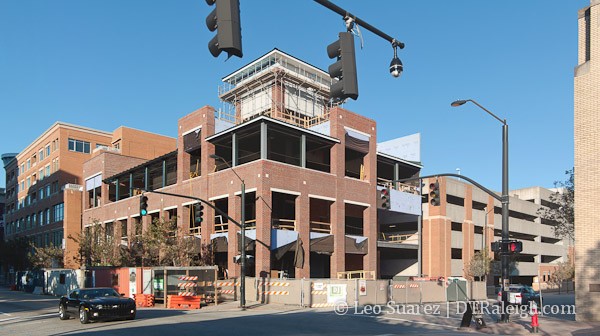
(434, 194)
(198, 212)
(143, 205)
(344, 69)
(515, 247)
(225, 19)
(508, 247)
(385, 198)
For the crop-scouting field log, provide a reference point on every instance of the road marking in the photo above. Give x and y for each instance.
(409, 321)
(27, 317)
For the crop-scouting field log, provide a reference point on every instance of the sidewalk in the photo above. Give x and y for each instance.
(548, 326)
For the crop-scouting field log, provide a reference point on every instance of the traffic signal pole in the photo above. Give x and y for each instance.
(242, 226)
(505, 213)
(344, 13)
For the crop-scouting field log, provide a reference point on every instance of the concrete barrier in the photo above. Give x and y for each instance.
(59, 282)
(477, 290)
(433, 291)
(313, 293)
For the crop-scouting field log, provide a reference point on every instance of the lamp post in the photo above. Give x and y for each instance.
(243, 238)
(505, 275)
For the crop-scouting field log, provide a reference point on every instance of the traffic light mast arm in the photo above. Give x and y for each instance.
(489, 192)
(201, 200)
(345, 13)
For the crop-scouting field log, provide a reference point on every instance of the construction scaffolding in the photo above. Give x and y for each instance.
(279, 86)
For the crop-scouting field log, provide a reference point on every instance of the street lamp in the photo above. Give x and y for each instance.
(505, 275)
(243, 238)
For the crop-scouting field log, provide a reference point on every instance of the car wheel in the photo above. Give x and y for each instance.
(83, 316)
(62, 312)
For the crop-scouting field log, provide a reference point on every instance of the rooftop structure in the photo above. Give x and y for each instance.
(277, 85)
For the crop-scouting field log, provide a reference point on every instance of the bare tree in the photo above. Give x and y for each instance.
(561, 213)
(564, 272)
(479, 265)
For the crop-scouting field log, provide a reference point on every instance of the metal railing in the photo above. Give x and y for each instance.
(284, 224)
(398, 238)
(368, 275)
(302, 121)
(407, 188)
(320, 227)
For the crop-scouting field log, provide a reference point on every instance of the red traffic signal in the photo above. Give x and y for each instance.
(385, 199)
(515, 247)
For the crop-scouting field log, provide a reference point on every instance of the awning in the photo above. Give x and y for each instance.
(357, 141)
(93, 182)
(192, 140)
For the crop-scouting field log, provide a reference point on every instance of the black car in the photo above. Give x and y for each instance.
(96, 304)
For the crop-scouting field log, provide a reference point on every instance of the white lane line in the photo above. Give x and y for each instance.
(409, 321)
(28, 317)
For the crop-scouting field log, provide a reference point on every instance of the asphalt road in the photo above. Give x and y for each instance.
(28, 314)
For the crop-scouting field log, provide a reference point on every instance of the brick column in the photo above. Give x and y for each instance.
(263, 230)
(468, 228)
(370, 213)
(338, 229)
(183, 218)
(490, 224)
(338, 258)
(232, 244)
(437, 237)
(303, 228)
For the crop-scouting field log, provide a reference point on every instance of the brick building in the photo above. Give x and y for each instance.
(587, 164)
(43, 181)
(468, 218)
(312, 174)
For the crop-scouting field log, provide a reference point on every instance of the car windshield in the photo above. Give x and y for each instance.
(98, 293)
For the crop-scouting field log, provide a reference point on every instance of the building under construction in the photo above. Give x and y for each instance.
(311, 171)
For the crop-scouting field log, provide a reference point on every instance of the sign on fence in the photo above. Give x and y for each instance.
(362, 287)
(336, 293)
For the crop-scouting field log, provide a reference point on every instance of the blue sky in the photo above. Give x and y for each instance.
(145, 64)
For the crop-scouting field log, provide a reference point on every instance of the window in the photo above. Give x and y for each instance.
(47, 216)
(28, 164)
(59, 212)
(47, 190)
(42, 193)
(79, 146)
(23, 185)
(41, 154)
(47, 170)
(33, 159)
(41, 218)
(22, 168)
(41, 174)
(33, 221)
(28, 182)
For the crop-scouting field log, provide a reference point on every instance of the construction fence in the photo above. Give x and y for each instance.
(321, 293)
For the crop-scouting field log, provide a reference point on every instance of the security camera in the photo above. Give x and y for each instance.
(396, 67)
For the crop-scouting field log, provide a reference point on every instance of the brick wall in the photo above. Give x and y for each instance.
(587, 164)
